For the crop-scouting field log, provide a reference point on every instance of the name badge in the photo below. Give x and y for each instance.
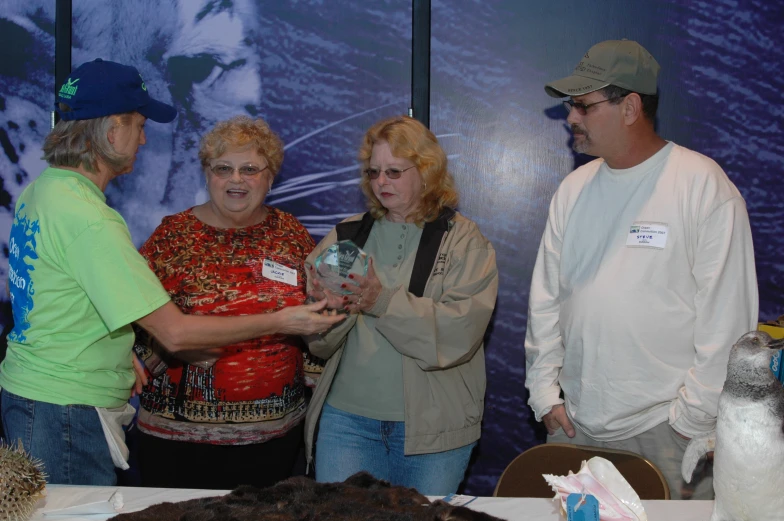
(279, 272)
(647, 235)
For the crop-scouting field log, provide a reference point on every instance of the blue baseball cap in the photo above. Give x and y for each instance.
(102, 88)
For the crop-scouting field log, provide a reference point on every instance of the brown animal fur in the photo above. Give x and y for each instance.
(361, 497)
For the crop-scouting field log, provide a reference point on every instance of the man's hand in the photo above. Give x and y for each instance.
(557, 419)
(141, 376)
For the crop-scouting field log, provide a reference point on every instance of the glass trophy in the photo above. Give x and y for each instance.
(337, 262)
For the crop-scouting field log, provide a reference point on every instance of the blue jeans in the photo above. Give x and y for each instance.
(68, 439)
(348, 443)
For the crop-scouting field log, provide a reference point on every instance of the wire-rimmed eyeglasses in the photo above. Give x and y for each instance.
(582, 108)
(225, 171)
(391, 173)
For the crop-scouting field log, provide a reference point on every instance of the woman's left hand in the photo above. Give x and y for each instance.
(364, 291)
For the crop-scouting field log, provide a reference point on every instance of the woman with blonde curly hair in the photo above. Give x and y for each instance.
(402, 393)
(238, 419)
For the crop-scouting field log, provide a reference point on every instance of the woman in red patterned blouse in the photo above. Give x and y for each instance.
(238, 421)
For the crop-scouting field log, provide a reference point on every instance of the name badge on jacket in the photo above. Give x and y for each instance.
(647, 235)
(279, 272)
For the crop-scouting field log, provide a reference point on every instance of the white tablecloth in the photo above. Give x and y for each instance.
(520, 509)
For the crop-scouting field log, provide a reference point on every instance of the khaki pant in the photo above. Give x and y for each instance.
(665, 449)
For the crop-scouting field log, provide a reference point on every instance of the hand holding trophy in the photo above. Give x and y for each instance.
(331, 271)
(337, 262)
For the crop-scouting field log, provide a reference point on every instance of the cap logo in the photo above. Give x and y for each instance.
(68, 89)
(590, 68)
(144, 87)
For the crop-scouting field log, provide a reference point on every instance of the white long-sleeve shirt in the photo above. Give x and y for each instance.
(644, 279)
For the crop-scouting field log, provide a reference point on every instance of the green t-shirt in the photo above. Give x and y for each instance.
(369, 380)
(77, 282)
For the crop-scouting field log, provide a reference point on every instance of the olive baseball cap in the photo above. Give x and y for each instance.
(623, 63)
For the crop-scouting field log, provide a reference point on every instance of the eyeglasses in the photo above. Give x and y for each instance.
(582, 108)
(391, 173)
(246, 171)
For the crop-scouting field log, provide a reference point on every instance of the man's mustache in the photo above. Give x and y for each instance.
(576, 129)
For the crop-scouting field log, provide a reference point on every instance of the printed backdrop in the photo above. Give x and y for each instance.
(322, 72)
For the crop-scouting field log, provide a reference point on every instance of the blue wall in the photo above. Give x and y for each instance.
(321, 72)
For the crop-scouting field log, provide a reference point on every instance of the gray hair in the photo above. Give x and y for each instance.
(82, 143)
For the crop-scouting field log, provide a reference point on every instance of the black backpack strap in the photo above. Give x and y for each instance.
(429, 244)
(356, 231)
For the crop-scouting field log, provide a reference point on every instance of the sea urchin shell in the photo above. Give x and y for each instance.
(22, 483)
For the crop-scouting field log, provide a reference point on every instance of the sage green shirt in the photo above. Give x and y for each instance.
(369, 381)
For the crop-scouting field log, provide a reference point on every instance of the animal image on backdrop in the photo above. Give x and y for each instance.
(748, 464)
(361, 497)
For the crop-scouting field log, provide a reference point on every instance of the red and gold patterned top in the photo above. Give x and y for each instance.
(255, 391)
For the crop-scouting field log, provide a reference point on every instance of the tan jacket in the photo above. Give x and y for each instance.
(440, 336)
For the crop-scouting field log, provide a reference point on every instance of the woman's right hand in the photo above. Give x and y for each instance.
(307, 319)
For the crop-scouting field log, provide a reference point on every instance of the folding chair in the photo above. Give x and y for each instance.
(523, 476)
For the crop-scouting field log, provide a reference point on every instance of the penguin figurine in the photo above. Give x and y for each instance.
(748, 464)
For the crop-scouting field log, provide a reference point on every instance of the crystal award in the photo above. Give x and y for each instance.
(337, 262)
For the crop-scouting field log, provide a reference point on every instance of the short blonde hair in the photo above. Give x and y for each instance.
(83, 143)
(241, 132)
(410, 139)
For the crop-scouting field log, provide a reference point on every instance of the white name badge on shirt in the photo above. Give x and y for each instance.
(279, 272)
(647, 235)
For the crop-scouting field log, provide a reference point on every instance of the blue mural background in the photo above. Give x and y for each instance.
(321, 73)
(318, 75)
(26, 91)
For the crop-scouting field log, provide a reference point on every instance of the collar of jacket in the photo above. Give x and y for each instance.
(427, 251)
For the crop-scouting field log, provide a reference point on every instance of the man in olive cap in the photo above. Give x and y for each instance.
(644, 277)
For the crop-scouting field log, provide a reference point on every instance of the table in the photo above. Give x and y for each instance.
(511, 509)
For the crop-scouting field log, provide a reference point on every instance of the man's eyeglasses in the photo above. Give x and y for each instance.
(246, 171)
(391, 173)
(582, 108)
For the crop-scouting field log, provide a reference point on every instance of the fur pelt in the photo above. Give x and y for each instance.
(361, 497)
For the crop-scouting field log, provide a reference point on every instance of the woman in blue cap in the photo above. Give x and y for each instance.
(77, 283)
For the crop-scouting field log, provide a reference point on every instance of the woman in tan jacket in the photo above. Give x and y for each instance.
(402, 393)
